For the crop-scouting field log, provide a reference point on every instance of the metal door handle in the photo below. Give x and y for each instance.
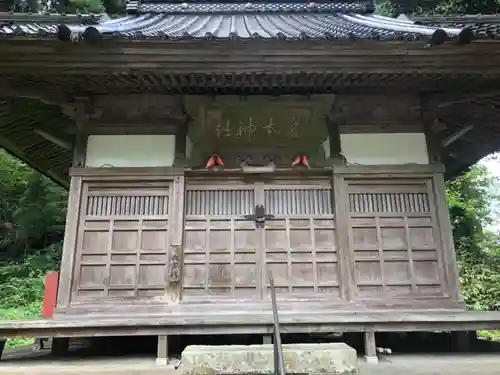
(259, 216)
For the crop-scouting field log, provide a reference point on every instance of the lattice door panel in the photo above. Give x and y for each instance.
(394, 240)
(300, 242)
(220, 257)
(122, 241)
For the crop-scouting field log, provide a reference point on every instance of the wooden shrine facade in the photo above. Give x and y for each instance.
(126, 113)
(364, 226)
(351, 236)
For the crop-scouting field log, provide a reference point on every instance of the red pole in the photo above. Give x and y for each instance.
(50, 294)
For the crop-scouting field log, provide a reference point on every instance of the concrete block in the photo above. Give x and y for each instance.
(331, 358)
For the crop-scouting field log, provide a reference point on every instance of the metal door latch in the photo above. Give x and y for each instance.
(259, 216)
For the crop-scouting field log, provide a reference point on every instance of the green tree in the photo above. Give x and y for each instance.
(32, 209)
(445, 7)
(470, 198)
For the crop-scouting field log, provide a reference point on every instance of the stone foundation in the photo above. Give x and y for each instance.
(331, 358)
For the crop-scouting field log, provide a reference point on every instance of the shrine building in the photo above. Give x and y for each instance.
(208, 146)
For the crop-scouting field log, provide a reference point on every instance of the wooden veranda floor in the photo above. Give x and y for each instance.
(256, 322)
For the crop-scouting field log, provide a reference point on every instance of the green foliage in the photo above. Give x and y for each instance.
(446, 7)
(470, 198)
(29, 202)
(68, 6)
(32, 216)
(22, 287)
(15, 291)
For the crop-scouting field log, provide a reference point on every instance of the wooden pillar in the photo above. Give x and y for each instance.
(69, 243)
(82, 132)
(2, 346)
(74, 203)
(162, 350)
(370, 348)
(176, 232)
(447, 242)
(431, 128)
(334, 141)
(346, 263)
(463, 341)
(180, 153)
(60, 346)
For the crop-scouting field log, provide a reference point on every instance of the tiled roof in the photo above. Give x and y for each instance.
(341, 19)
(483, 26)
(255, 26)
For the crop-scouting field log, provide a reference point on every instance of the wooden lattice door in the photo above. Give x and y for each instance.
(299, 243)
(122, 242)
(395, 239)
(221, 257)
(228, 255)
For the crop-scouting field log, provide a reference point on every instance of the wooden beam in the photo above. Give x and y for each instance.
(251, 322)
(60, 140)
(214, 57)
(43, 94)
(448, 99)
(456, 136)
(99, 128)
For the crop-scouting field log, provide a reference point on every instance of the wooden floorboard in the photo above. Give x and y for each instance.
(255, 322)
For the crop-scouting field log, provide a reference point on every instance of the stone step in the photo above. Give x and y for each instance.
(324, 358)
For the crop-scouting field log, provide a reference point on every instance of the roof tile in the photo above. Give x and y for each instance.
(341, 19)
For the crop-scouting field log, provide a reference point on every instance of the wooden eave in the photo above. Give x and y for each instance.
(19, 120)
(49, 72)
(49, 56)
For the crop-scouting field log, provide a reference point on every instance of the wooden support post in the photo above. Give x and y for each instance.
(162, 350)
(473, 341)
(431, 125)
(2, 346)
(370, 348)
(462, 341)
(180, 155)
(175, 230)
(267, 339)
(60, 346)
(347, 271)
(82, 132)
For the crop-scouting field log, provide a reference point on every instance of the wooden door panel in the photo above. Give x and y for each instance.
(122, 241)
(221, 257)
(299, 244)
(394, 239)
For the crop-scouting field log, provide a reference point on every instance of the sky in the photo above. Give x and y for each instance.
(493, 166)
